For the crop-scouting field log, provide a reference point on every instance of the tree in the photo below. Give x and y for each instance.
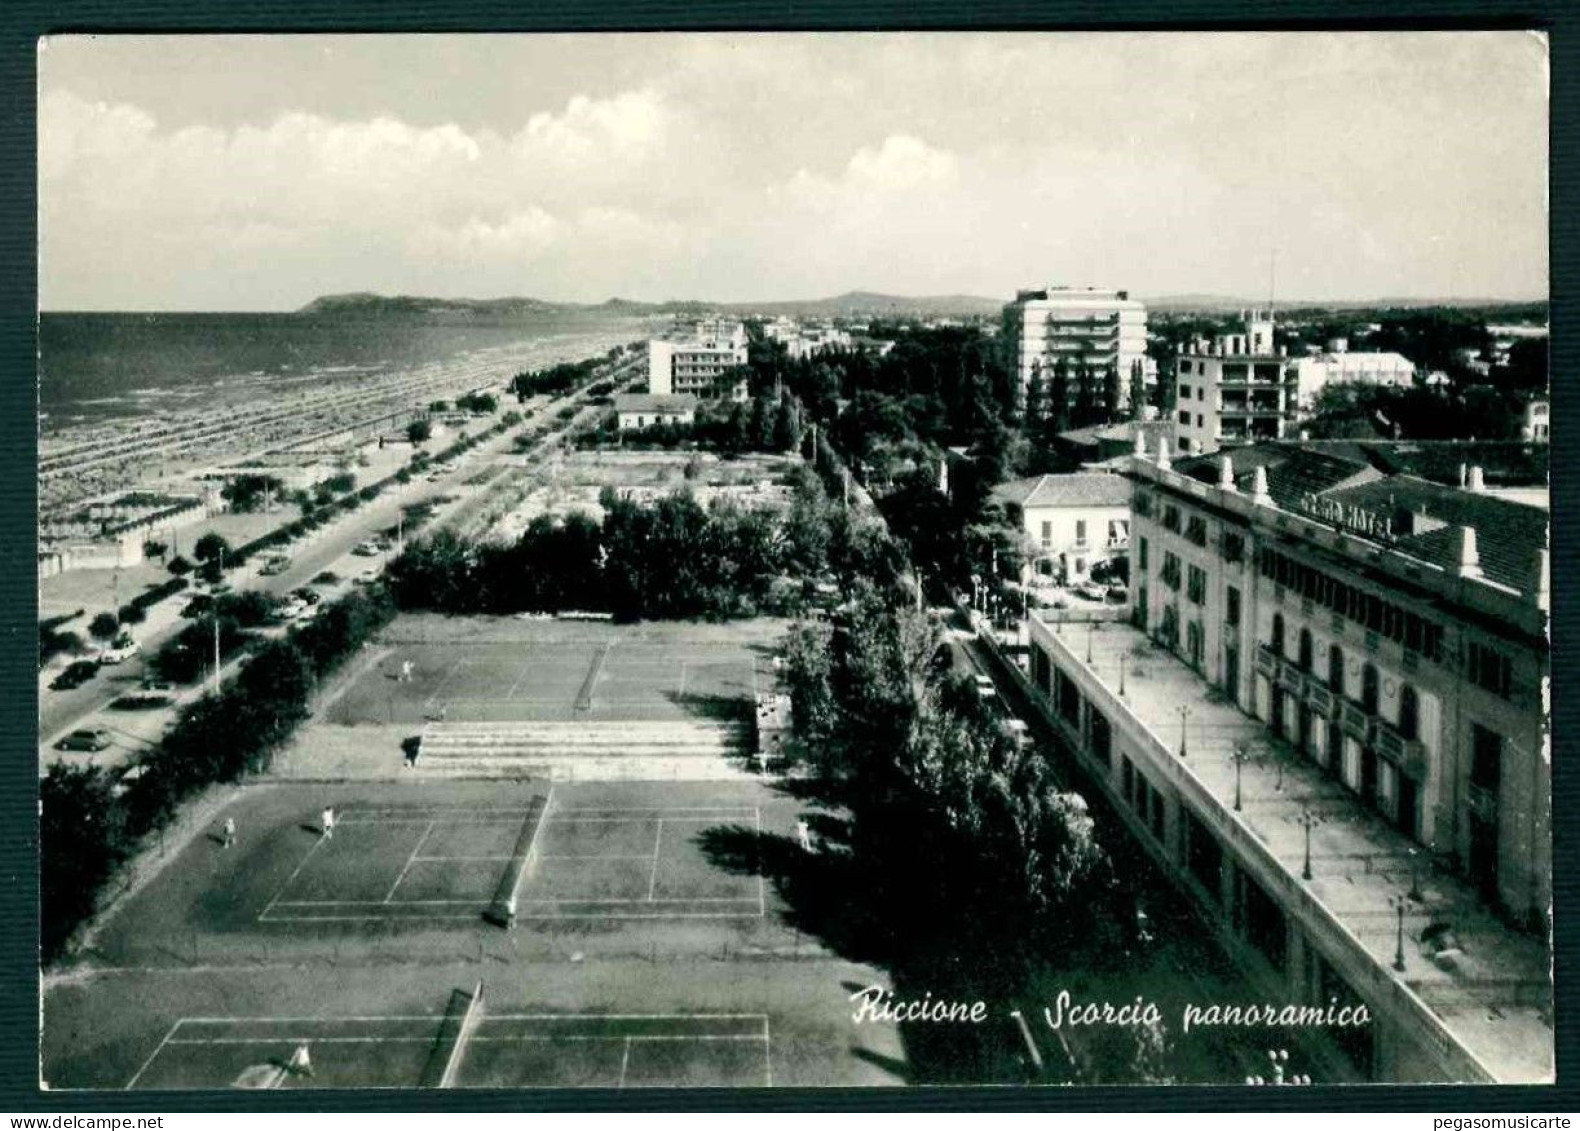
(82, 840)
(247, 493)
(179, 566)
(211, 547)
(153, 549)
(1138, 389)
(104, 626)
(439, 407)
(419, 432)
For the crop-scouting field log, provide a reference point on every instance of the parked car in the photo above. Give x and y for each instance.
(77, 673)
(275, 566)
(92, 739)
(1118, 594)
(1092, 591)
(119, 650)
(984, 685)
(368, 549)
(307, 596)
(293, 609)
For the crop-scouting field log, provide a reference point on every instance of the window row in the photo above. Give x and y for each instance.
(1367, 609)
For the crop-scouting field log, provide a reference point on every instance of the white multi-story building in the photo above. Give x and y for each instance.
(695, 359)
(1071, 522)
(1100, 333)
(1326, 717)
(1233, 389)
(1346, 367)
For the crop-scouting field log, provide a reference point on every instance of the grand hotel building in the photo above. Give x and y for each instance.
(1325, 713)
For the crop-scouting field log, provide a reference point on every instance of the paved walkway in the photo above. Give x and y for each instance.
(1495, 996)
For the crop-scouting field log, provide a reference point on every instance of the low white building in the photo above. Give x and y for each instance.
(1072, 522)
(643, 410)
(1344, 367)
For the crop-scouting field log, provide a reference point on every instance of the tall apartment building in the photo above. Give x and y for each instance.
(1234, 389)
(691, 360)
(1102, 332)
(1326, 717)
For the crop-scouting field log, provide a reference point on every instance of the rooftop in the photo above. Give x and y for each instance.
(655, 402)
(1494, 997)
(1076, 490)
(1124, 432)
(1508, 533)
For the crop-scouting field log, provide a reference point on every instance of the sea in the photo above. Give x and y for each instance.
(97, 368)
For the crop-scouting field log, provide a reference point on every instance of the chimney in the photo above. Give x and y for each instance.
(1461, 476)
(1543, 587)
(1259, 493)
(1305, 435)
(1141, 444)
(1467, 561)
(1163, 453)
(1225, 473)
(1476, 486)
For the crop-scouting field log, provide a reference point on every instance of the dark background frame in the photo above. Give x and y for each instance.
(23, 21)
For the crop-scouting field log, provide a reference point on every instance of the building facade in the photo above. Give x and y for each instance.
(1071, 522)
(1343, 367)
(694, 360)
(1381, 641)
(1098, 334)
(644, 410)
(1234, 389)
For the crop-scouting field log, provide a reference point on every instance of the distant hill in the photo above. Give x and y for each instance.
(855, 303)
(1213, 304)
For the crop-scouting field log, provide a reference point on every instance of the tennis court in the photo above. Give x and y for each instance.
(435, 863)
(423, 862)
(602, 675)
(467, 1047)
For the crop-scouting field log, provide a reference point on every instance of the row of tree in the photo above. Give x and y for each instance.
(665, 559)
(92, 819)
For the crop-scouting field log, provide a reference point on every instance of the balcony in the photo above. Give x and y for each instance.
(1319, 698)
(1291, 679)
(1356, 720)
(1406, 753)
(1267, 661)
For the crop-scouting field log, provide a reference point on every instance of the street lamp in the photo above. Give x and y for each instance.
(1185, 713)
(1089, 631)
(1121, 675)
(1415, 874)
(1240, 755)
(1308, 820)
(1399, 904)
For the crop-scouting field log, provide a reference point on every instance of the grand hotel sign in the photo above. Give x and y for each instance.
(1356, 519)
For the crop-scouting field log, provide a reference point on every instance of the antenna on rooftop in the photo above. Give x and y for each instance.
(1272, 278)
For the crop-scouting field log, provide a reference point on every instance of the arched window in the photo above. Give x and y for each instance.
(1369, 694)
(1336, 669)
(1278, 634)
(1409, 713)
(1305, 649)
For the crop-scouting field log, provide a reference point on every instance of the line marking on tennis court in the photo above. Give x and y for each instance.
(652, 879)
(625, 1061)
(291, 879)
(389, 895)
(153, 1055)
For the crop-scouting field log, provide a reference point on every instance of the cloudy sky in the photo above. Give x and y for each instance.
(238, 173)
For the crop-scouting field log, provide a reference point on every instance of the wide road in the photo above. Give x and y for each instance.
(328, 548)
